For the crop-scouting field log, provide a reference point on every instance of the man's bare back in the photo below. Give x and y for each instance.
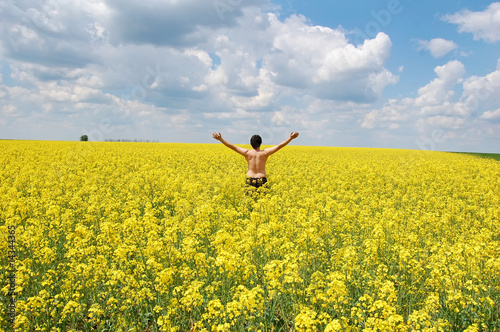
(256, 158)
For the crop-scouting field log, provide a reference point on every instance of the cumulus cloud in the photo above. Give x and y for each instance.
(483, 25)
(178, 23)
(438, 114)
(434, 101)
(53, 33)
(440, 89)
(308, 59)
(135, 67)
(389, 116)
(484, 90)
(491, 115)
(322, 59)
(438, 47)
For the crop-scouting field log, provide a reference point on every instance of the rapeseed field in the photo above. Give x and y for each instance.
(164, 237)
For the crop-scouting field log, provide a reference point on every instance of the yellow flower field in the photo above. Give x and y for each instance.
(164, 237)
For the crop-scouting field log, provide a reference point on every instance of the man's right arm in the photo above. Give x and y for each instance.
(233, 147)
(275, 148)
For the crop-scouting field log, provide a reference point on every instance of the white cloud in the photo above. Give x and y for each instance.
(483, 90)
(180, 119)
(483, 25)
(9, 110)
(322, 60)
(280, 118)
(439, 116)
(440, 89)
(448, 122)
(293, 58)
(438, 47)
(491, 115)
(389, 116)
(260, 55)
(434, 101)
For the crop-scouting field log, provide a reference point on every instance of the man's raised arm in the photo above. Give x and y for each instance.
(275, 148)
(233, 147)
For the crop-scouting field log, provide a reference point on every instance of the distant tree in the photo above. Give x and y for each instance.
(84, 138)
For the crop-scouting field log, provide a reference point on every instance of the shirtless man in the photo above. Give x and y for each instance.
(256, 158)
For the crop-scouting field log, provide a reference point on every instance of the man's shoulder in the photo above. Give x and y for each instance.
(253, 152)
(263, 152)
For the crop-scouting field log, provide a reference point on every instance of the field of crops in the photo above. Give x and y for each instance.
(163, 237)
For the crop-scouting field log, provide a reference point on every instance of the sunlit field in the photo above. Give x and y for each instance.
(164, 237)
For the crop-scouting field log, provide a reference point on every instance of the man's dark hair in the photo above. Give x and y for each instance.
(255, 141)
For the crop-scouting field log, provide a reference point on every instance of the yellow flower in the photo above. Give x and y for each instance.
(343, 239)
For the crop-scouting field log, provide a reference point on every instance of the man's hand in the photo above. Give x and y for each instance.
(217, 136)
(294, 135)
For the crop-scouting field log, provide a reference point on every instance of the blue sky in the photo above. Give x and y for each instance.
(387, 74)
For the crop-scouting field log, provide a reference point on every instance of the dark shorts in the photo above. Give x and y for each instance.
(256, 182)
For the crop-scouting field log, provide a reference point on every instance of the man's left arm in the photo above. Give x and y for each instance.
(233, 147)
(275, 148)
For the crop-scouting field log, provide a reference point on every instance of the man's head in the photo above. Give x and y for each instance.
(255, 141)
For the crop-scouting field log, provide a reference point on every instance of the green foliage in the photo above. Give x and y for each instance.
(495, 156)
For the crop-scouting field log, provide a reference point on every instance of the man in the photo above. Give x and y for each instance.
(256, 158)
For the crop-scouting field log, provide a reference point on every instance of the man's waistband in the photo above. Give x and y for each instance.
(256, 180)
